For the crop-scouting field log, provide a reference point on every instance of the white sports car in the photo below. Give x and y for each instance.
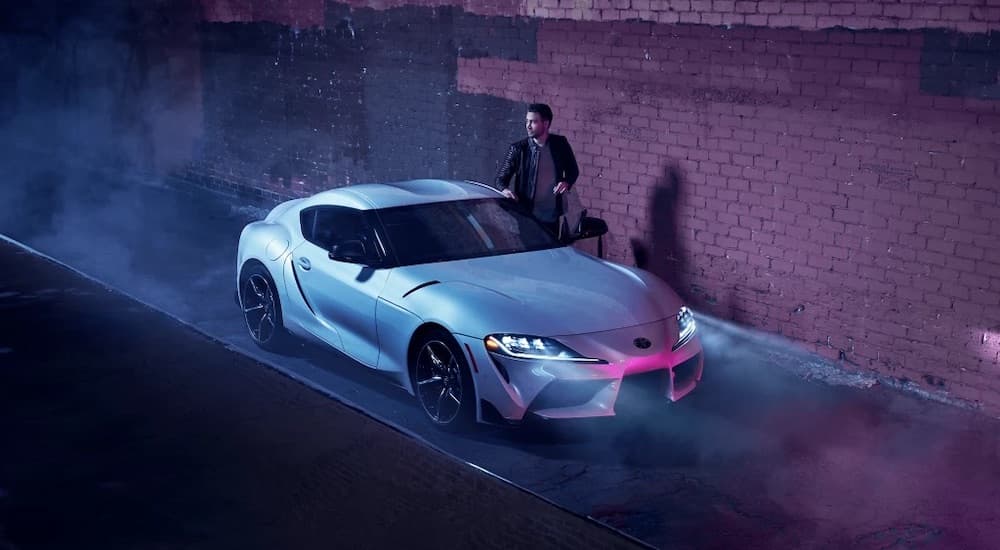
(465, 301)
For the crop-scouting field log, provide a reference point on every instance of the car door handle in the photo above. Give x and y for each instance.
(305, 264)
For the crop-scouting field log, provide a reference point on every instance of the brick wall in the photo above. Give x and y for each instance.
(834, 186)
(826, 187)
(962, 15)
(367, 96)
(838, 186)
(277, 109)
(292, 13)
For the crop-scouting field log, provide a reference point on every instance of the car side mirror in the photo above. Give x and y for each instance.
(590, 227)
(352, 252)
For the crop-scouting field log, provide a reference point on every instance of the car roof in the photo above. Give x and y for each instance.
(368, 196)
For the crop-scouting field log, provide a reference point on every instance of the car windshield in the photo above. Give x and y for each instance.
(458, 230)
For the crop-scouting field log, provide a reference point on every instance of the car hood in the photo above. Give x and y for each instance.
(546, 292)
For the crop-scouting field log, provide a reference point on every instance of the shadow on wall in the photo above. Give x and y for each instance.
(663, 254)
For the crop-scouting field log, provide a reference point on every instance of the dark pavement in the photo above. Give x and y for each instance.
(775, 449)
(122, 428)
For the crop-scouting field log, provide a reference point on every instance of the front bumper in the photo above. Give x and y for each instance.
(557, 390)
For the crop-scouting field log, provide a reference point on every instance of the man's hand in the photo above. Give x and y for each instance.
(561, 188)
(509, 194)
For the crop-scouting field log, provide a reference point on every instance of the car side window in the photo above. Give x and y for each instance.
(326, 226)
(307, 219)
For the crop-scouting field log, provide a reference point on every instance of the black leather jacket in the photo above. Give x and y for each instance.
(516, 171)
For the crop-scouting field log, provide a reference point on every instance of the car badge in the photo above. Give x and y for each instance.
(642, 343)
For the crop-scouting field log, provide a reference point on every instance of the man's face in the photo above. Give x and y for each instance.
(536, 125)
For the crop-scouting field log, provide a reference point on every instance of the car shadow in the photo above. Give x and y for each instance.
(653, 433)
(336, 362)
(741, 408)
(638, 439)
(643, 435)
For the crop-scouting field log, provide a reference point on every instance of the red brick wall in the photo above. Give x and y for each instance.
(294, 13)
(962, 15)
(824, 195)
(840, 187)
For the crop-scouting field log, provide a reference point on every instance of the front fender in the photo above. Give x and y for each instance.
(461, 308)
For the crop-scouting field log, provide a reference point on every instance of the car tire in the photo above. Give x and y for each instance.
(261, 307)
(442, 382)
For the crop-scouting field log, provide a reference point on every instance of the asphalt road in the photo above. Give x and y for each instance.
(123, 428)
(758, 457)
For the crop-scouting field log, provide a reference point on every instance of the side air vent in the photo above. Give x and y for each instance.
(301, 292)
(418, 287)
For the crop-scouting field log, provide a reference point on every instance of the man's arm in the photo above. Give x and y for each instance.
(570, 170)
(507, 168)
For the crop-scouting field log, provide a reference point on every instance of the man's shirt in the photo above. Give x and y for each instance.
(545, 181)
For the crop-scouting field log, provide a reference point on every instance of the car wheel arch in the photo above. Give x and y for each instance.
(415, 338)
(413, 348)
(249, 262)
(251, 267)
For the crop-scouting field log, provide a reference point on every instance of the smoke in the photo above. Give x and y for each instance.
(94, 119)
(102, 104)
(778, 448)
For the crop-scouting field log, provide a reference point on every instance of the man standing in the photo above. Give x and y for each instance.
(542, 168)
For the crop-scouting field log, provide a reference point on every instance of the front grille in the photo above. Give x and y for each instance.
(567, 393)
(648, 384)
(686, 372)
(640, 392)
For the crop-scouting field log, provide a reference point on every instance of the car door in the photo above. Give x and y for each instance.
(343, 294)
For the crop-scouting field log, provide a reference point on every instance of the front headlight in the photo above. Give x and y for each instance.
(685, 325)
(521, 346)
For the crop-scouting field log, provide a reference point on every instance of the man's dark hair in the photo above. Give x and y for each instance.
(542, 109)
